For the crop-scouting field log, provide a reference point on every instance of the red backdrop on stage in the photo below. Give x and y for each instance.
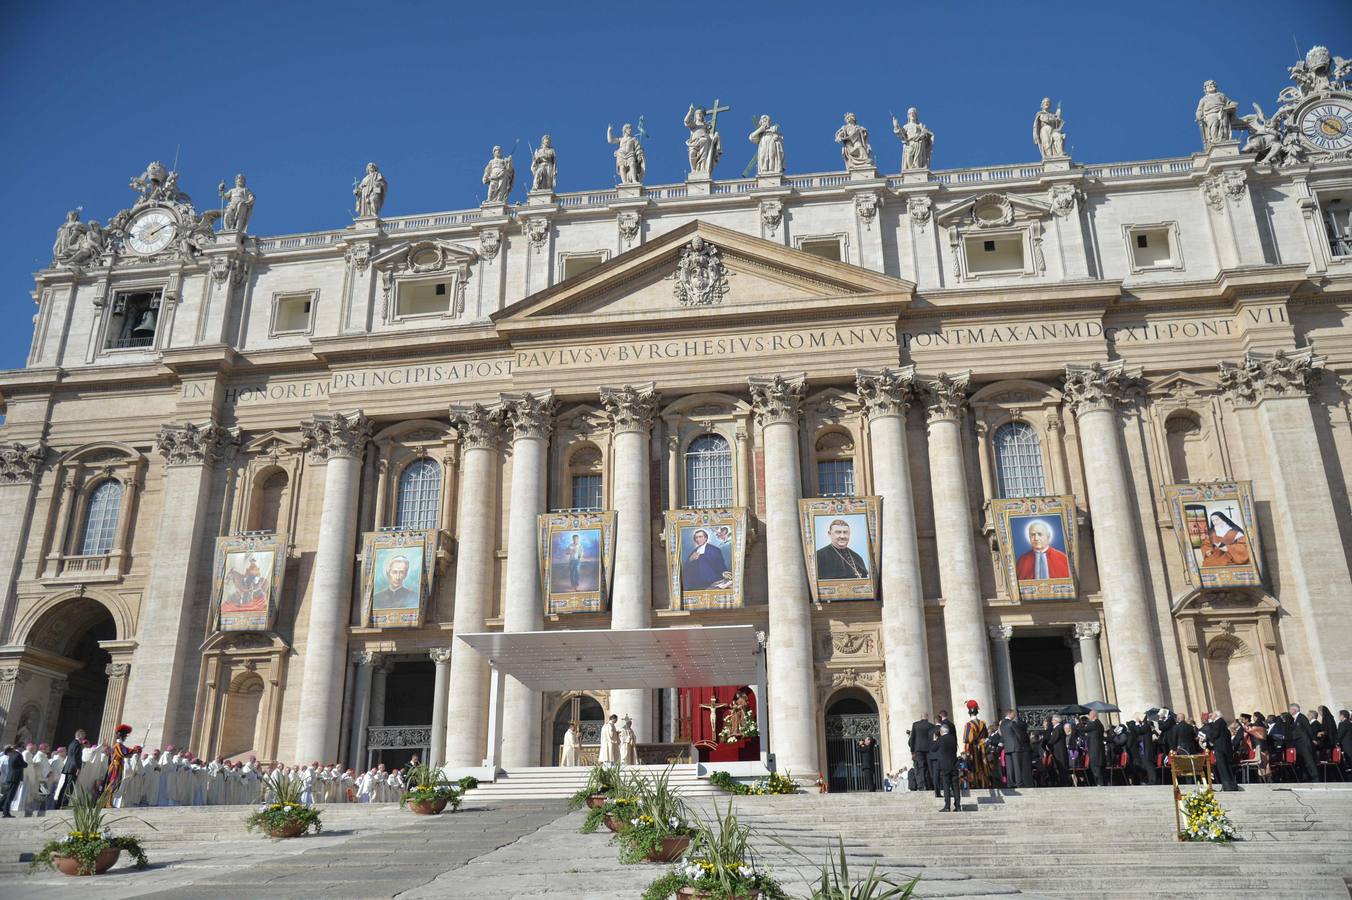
(693, 722)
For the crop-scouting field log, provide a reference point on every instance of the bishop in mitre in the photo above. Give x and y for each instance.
(628, 743)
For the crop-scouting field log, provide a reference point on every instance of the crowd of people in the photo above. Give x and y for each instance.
(1079, 749)
(35, 778)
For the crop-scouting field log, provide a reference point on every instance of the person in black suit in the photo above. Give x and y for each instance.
(922, 736)
(13, 778)
(1184, 737)
(1217, 733)
(1092, 730)
(1141, 750)
(946, 741)
(71, 770)
(1301, 736)
(1018, 750)
(941, 719)
(1055, 742)
(1343, 739)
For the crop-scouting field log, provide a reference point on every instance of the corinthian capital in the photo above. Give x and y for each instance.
(195, 445)
(480, 426)
(1100, 386)
(885, 392)
(944, 395)
(20, 463)
(1085, 630)
(631, 407)
(1260, 376)
(777, 399)
(336, 435)
(530, 415)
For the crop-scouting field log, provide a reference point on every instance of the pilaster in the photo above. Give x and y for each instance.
(20, 470)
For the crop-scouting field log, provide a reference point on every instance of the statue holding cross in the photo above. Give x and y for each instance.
(704, 145)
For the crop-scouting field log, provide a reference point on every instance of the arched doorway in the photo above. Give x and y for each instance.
(239, 718)
(588, 715)
(74, 629)
(853, 743)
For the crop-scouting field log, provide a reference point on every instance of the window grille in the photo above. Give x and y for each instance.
(835, 477)
(1018, 461)
(586, 492)
(100, 526)
(419, 495)
(708, 472)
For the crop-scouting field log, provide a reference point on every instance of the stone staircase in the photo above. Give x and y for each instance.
(552, 782)
(1103, 843)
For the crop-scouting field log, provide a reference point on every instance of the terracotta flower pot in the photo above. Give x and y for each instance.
(289, 830)
(69, 865)
(427, 807)
(612, 823)
(596, 801)
(672, 848)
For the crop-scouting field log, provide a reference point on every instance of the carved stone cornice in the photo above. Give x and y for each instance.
(530, 415)
(1085, 630)
(480, 426)
(777, 399)
(195, 445)
(20, 463)
(439, 655)
(631, 407)
(1100, 386)
(885, 392)
(1260, 376)
(944, 395)
(336, 435)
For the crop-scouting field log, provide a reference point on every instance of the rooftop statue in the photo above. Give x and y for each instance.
(854, 147)
(544, 168)
(629, 162)
(1215, 115)
(917, 139)
(239, 204)
(769, 147)
(499, 175)
(705, 145)
(370, 192)
(1049, 131)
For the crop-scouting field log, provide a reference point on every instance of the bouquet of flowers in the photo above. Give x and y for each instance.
(1204, 818)
(774, 783)
(749, 729)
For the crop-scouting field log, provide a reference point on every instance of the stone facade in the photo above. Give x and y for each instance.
(1150, 323)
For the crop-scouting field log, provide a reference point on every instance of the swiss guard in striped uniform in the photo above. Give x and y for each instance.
(974, 736)
(117, 763)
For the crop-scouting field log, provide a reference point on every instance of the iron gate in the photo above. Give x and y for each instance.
(853, 753)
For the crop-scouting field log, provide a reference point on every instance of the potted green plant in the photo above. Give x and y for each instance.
(834, 882)
(430, 792)
(89, 847)
(774, 783)
(720, 865)
(282, 815)
(601, 782)
(659, 830)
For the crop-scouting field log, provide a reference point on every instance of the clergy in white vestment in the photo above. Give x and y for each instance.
(366, 786)
(628, 743)
(35, 779)
(165, 764)
(610, 742)
(94, 768)
(569, 746)
(307, 784)
(24, 792)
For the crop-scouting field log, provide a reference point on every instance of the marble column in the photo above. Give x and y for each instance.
(441, 657)
(113, 700)
(379, 677)
(966, 640)
(792, 691)
(338, 440)
(1094, 393)
(1077, 666)
(480, 430)
(886, 394)
(1004, 670)
(159, 700)
(1087, 634)
(20, 469)
(11, 678)
(1303, 511)
(364, 663)
(632, 410)
(531, 419)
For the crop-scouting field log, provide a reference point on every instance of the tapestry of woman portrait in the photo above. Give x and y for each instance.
(1217, 532)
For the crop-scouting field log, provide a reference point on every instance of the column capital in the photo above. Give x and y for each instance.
(776, 398)
(631, 407)
(1100, 386)
(1263, 376)
(529, 415)
(944, 395)
(117, 670)
(1087, 630)
(195, 445)
(885, 392)
(336, 435)
(440, 655)
(1000, 632)
(366, 658)
(21, 463)
(14, 675)
(480, 426)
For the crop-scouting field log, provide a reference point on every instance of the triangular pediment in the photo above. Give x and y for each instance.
(1181, 384)
(748, 275)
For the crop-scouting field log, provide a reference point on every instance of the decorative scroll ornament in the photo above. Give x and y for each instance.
(631, 407)
(992, 211)
(1260, 376)
(628, 222)
(20, 463)
(885, 392)
(480, 426)
(771, 213)
(944, 395)
(866, 206)
(1100, 386)
(530, 415)
(194, 445)
(490, 241)
(701, 277)
(850, 643)
(536, 230)
(1216, 188)
(777, 399)
(920, 209)
(398, 737)
(1064, 199)
(359, 255)
(336, 435)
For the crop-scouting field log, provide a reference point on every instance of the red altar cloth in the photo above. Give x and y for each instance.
(693, 723)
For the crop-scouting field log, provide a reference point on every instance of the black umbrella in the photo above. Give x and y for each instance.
(1102, 707)
(1074, 709)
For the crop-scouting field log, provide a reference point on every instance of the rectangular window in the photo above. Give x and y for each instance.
(826, 248)
(1338, 224)
(586, 492)
(134, 320)
(989, 255)
(574, 264)
(1152, 248)
(835, 477)
(423, 298)
(292, 314)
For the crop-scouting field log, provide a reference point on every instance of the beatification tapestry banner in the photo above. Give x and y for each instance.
(246, 582)
(397, 569)
(841, 547)
(1217, 532)
(577, 557)
(706, 557)
(1038, 546)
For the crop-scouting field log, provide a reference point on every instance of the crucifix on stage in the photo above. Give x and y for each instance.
(713, 706)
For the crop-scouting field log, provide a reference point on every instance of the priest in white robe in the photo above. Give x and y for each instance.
(610, 742)
(570, 746)
(628, 744)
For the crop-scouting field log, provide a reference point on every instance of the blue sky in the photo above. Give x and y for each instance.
(301, 96)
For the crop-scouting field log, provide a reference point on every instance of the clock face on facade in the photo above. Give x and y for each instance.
(1327, 125)
(152, 232)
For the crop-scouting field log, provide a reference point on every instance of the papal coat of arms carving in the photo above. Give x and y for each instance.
(701, 277)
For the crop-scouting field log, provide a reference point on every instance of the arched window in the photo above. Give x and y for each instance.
(708, 472)
(835, 465)
(419, 495)
(268, 505)
(100, 524)
(586, 488)
(1018, 461)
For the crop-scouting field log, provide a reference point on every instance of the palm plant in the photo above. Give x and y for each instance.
(833, 881)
